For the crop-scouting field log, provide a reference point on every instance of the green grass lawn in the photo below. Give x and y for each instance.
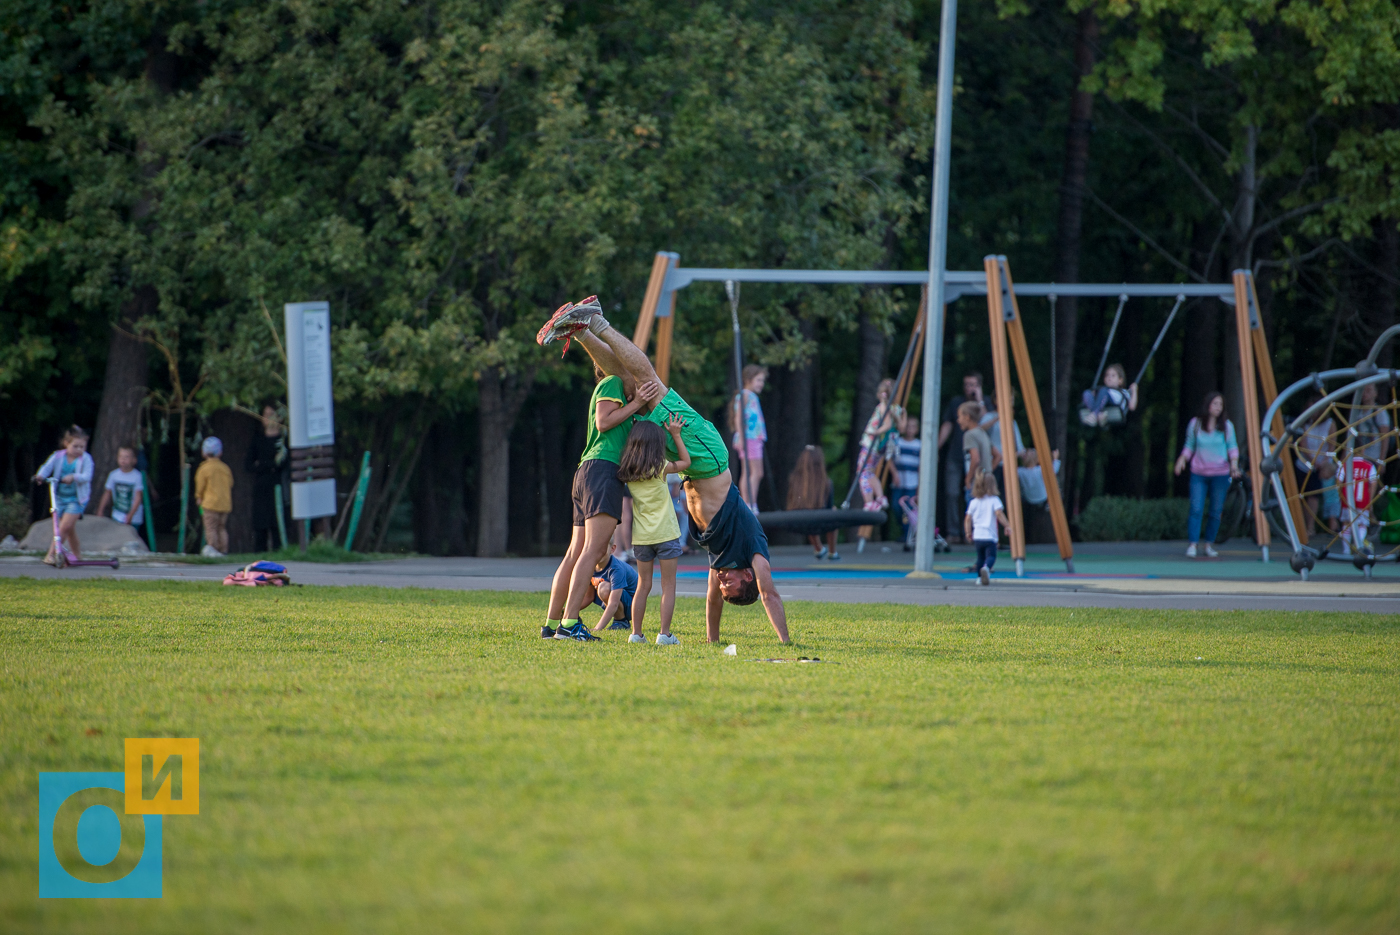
(414, 761)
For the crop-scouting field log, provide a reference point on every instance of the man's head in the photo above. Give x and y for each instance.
(738, 586)
(972, 385)
(126, 457)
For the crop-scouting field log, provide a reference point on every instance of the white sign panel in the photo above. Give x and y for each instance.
(313, 498)
(309, 401)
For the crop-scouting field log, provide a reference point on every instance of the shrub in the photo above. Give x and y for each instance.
(1114, 519)
(14, 515)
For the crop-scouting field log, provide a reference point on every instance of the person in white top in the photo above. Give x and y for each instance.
(980, 524)
(124, 489)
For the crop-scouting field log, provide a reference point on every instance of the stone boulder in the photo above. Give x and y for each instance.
(96, 533)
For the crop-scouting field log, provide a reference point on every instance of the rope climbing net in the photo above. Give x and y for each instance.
(1347, 461)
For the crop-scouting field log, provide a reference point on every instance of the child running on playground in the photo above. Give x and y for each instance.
(980, 524)
(73, 468)
(656, 535)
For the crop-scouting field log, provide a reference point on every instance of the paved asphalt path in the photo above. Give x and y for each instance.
(1339, 589)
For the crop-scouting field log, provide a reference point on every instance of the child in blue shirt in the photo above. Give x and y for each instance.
(615, 582)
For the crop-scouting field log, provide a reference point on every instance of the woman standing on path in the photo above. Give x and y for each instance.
(755, 432)
(266, 461)
(1215, 459)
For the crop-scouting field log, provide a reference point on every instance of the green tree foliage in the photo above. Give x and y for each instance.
(447, 172)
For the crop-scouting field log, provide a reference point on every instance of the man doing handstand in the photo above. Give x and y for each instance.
(739, 567)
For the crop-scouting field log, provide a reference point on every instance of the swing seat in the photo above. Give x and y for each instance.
(819, 522)
(1113, 416)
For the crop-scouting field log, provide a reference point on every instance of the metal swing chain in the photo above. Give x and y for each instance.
(1160, 335)
(1103, 360)
(731, 288)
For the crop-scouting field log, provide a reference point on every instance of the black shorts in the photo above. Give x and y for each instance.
(597, 490)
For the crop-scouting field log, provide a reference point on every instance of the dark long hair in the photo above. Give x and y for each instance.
(1203, 417)
(808, 481)
(644, 457)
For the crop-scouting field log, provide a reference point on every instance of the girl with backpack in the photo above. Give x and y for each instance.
(1214, 457)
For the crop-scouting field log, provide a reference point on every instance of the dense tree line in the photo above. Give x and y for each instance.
(447, 173)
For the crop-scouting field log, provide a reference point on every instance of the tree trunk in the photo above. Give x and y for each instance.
(1241, 257)
(440, 516)
(1071, 221)
(124, 385)
(235, 430)
(123, 388)
(1382, 310)
(792, 430)
(500, 398)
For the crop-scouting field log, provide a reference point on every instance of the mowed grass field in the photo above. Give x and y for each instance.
(415, 761)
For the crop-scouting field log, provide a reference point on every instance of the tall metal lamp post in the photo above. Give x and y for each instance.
(937, 264)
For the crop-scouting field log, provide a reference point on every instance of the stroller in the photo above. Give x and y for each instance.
(910, 506)
(61, 555)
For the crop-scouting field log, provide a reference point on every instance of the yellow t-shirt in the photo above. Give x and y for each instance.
(653, 516)
(213, 485)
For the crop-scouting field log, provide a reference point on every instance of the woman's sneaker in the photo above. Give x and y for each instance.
(835, 557)
(984, 577)
(1191, 550)
(666, 639)
(636, 638)
(820, 555)
(568, 320)
(1210, 551)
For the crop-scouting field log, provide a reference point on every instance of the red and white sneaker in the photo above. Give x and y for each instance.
(567, 321)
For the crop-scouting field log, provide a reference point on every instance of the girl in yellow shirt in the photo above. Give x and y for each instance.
(655, 533)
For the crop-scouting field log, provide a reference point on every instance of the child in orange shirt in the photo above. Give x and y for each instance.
(213, 491)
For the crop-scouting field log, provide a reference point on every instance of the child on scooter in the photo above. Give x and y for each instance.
(73, 467)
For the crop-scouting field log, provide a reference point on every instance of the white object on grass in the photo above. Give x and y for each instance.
(636, 638)
(666, 639)
(731, 650)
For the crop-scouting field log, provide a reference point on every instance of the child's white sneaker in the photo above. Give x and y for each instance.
(210, 552)
(636, 638)
(666, 639)
(1191, 550)
(1210, 551)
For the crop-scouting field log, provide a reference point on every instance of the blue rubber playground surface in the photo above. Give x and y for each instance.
(1102, 561)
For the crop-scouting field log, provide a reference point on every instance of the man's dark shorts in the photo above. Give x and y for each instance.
(597, 490)
(734, 535)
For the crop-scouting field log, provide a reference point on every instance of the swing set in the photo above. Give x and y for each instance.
(1008, 341)
(1114, 414)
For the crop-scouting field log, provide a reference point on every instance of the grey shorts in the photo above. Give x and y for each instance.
(650, 553)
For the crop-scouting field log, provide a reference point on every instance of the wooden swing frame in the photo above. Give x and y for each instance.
(1008, 342)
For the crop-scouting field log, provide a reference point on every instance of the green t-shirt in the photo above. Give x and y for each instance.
(606, 446)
